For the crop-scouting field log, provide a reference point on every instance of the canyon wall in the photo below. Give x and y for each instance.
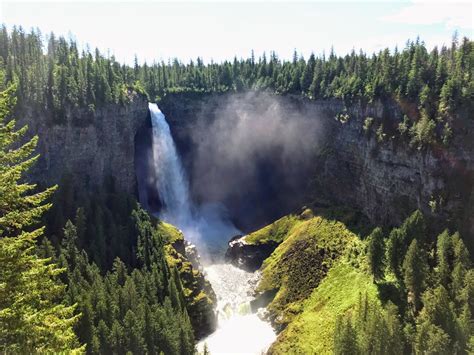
(386, 178)
(88, 145)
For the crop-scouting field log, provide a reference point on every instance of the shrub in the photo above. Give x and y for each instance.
(423, 132)
(368, 124)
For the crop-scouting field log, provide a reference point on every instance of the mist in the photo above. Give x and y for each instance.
(253, 153)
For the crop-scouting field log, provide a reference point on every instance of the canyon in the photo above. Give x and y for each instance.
(384, 180)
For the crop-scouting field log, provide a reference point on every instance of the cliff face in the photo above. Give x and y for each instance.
(88, 145)
(386, 180)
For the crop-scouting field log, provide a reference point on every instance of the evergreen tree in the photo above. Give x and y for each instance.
(32, 318)
(413, 274)
(345, 342)
(376, 253)
(444, 254)
(436, 324)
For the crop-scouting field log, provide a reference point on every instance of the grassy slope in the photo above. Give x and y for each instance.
(301, 261)
(312, 331)
(170, 232)
(190, 277)
(275, 232)
(320, 272)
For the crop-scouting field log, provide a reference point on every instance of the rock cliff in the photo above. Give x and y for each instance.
(88, 144)
(248, 256)
(385, 178)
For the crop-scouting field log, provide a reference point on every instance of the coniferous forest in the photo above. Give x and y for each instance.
(89, 270)
(437, 82)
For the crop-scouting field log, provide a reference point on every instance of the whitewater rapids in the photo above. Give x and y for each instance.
(239, 330)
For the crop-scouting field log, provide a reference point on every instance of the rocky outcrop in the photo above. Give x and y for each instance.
(248, 256)
(87, 144)
(199, 295)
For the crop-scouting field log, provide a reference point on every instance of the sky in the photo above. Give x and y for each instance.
(155, 30)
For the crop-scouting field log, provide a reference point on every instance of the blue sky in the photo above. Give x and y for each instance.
(219, 30)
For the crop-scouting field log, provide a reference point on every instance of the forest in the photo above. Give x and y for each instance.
(426, 285)
(92, 272)
(53, 74)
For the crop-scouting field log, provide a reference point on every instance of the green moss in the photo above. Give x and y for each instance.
(312, 330)
(297, 266)
(199, 296)
(275, 232)
(170, 232)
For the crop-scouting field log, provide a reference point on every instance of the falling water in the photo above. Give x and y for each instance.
(172, 183)
(239, 330)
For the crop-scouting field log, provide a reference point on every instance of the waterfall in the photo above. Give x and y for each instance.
(210, 220)
(238, 329)
(172, 183)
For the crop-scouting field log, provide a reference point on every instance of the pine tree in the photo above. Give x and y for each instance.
(395, 249)
(444, 254)
(413, 273)
(32, 318)
(376, 253)
(345, 341)
(436, 323)
(307, 75)
(461, 264)
(396, 340)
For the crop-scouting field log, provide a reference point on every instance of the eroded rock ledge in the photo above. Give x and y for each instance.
(248, 256)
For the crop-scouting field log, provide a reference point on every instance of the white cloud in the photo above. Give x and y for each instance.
(453, 14)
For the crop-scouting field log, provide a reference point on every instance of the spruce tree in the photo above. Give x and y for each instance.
(413, 273)
(32, 317)
(376, 253)
(345, 341)
(444, 254)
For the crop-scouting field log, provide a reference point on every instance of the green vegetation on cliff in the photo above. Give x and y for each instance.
(309, 247)
(312, 330)
(198, 293)
(398, 292)
(301, 261)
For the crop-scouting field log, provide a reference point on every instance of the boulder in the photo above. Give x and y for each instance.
(248, 256)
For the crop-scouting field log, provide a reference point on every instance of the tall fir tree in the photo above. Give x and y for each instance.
(32, 317)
